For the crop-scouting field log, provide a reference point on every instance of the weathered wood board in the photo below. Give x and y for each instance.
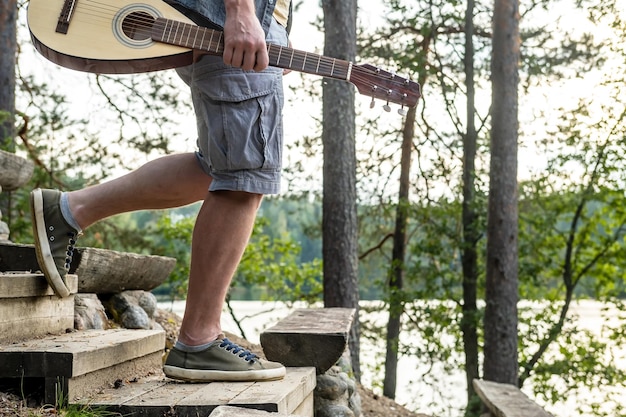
(100, 271)
(30, 309)
(309, 337)
(505, 400)
(155, 397)
(77, 353)
(228, 411)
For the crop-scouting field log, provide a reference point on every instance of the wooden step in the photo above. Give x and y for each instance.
(75, 365)
(228, 411)
(506, 400)
(158, 396)
(100, 271)
(30, 309)
(309, 337)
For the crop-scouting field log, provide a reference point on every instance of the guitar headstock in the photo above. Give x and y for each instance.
(380, 84)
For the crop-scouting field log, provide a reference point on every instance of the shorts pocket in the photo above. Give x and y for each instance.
(243, 115)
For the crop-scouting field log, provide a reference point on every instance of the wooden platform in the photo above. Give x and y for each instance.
(309, 337)
(29, 308)
(505, 400)
(158, 396)
(77, 364)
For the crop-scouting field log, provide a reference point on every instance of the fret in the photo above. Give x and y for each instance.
(182, 36)
(176, 32)
(280, 52)
(210, 41)
(304, 61)
(319, 59)
(219, 41)
(201, 46)
(168, 27)
(291, 60)
(332, 69)
(195, 37)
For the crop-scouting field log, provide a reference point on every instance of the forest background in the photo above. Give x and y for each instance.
(82, 129)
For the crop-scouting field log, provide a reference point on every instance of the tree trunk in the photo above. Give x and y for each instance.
(396, 274)
(471, 234)
(339, 218)
(8, 51)
(501, 363)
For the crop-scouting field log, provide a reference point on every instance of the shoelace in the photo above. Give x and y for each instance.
(234, 348)
(70, 250)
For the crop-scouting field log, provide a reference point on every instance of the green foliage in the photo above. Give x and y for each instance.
(271, 267)
(272, 263)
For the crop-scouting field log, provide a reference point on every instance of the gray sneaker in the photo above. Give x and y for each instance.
(223, 360)
(54, 238)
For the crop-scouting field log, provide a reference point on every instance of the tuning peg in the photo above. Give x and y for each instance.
(401, 111)
(387, 108)
(372, 103)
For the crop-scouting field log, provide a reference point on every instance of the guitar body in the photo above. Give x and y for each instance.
(102, 37)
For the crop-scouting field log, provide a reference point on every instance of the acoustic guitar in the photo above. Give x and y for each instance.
(126, 36)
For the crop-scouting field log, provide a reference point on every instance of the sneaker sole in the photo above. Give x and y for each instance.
(42, 248)
(202, 375)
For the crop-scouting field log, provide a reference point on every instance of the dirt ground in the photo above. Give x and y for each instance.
(373, 405)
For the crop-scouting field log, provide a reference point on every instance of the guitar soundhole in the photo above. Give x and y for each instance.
(137, 25)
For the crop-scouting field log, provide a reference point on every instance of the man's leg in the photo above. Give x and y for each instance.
(220, 236)
(167, 182)
(171, 181)
(202, 353)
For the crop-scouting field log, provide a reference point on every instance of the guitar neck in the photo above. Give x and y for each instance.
(212, 42)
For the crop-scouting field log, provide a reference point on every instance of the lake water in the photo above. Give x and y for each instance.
(423, 388)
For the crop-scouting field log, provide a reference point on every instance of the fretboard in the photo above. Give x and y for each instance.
(212, 42)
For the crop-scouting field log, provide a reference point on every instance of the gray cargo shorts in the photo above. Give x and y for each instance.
(239, 120)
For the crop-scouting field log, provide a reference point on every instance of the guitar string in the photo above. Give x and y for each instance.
(324, 65)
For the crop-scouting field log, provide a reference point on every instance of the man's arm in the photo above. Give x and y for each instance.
(244, 38)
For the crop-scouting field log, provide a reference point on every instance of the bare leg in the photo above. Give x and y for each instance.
(220, 236)
(170, 181)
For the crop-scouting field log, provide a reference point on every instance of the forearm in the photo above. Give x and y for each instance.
(239, 6)
(244, 39)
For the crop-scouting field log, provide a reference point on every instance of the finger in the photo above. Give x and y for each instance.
(249, 61)
(238, 56)
(227, 56)
(262, 60)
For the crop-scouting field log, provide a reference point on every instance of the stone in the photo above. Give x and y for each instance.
(132, 309)
(89, 313)
(135, 317)
(330, 387)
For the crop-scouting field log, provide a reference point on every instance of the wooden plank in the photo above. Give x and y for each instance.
(506, 400)
(124, 394)
(103, 271)
(27, 285)
(309, 337)
(217, 393)
(162, 401)
(158, 396)
(78, 353)
(33, 317)
(282, 396)
(88, 384)
(307, 408)
(228, 411)
(99, 271)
